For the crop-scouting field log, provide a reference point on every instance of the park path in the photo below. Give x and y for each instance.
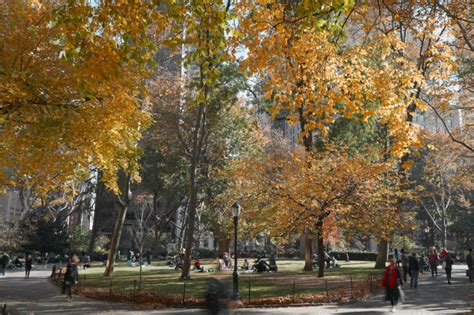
(433, 296)
(37, 295)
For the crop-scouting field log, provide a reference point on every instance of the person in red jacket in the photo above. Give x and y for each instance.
(391, 280)
(443, 253)
(433, 259)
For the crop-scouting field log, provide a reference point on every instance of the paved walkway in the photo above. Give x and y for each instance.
(37, 295)
(433, 296)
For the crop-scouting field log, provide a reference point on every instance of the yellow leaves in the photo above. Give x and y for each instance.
(408, 164)
(68, 114)
(297, 189)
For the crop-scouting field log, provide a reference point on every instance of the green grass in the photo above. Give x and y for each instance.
(161, 279)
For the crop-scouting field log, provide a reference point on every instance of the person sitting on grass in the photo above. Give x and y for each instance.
(334, 262)
(226, 259)
(327, 259)
(197, 266)
(273, 265)
(261, 265)
(245, 265)
(178, 261)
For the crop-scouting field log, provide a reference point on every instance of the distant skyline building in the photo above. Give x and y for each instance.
(10, 210)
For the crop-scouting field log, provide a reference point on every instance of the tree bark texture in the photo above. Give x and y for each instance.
(198, 137)
(308, 252)
(382, 251)
(223, 246)
(124, 202)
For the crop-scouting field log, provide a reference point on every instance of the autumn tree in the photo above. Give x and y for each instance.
(446, 183)
(59, 76)
(176, 114)
(350, 193)
(64, 68)
(313, 75)
(427, 30)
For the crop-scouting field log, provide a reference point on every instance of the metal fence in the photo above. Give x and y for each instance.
(253, 291)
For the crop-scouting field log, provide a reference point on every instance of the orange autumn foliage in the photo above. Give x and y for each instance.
(70, 89)
(282, 195)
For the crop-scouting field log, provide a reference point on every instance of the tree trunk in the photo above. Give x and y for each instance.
(445, 232)
(382, 251)
(321, 261)
(189, 236)
(91, 248)
(104, 201)
(123, 202)
(223, 246)
(182, 229)
(308, 252)
(198, 137)
(95, 221)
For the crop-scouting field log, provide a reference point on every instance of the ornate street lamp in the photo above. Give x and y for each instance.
(235, 276)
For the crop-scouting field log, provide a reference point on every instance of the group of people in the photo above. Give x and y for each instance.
(261, 265)
(330, 261)
(224, 263)
(18, 262)
(412, 265)
(134, 258)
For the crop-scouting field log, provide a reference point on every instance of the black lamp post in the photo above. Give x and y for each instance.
(235, 276)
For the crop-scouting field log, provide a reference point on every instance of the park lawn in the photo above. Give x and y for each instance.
(289, 279)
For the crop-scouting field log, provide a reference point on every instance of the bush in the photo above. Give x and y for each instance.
(366, 256)
(204, 253)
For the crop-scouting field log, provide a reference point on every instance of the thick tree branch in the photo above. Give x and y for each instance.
(467, 146)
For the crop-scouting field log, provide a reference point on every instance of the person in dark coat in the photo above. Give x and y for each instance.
(470, 264)
(448, 267)
(404, 259)
(261, 265)
(148, 257)
(414, 267)
(391, 280)
(4, 262)
(71, 276)
(273, 265)
(28, 266)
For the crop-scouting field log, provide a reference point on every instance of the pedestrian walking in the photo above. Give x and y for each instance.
(4, 262)
(71, 276)
(422, 263)
(45, 261)
(148, 257)
(414, 266)
(28, 266)
(396, 256)
(433, 259)
(404, 259)
(448, 266)
(391, 281)
(129, 257)
(470, 265)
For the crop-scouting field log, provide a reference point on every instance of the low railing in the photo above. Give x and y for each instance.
(130, 290)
